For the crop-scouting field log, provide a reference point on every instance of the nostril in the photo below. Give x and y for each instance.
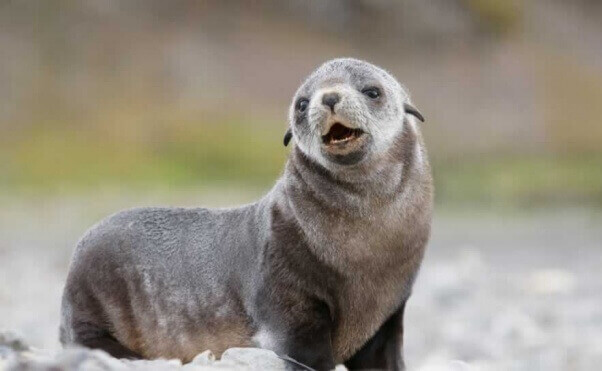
(330, 99)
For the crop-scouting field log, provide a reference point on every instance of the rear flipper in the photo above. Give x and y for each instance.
(90, 336)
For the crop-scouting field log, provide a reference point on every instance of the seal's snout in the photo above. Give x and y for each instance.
(330, 100)
(341, 133)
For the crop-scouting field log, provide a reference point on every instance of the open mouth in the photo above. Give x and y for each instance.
(340, 133)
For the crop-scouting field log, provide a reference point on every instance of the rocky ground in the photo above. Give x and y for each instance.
(496, 292)
(15, 355)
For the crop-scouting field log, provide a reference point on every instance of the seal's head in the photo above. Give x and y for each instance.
(346, 111)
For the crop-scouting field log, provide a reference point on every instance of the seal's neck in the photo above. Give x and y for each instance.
(375, 181)
(340, 215)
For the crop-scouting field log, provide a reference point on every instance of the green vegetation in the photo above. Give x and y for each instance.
(497, 17)
(521, 182)
(250, 155)
(187, 154)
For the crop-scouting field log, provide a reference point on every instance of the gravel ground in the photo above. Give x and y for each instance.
(496, 291)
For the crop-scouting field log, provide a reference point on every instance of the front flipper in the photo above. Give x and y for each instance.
(384, 350)
(303, 336)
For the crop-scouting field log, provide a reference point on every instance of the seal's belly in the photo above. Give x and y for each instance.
(167, 319)
(186, 346)
(182, 337)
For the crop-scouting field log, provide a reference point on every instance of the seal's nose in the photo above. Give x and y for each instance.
(330, 99)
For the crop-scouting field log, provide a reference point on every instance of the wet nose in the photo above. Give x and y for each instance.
(330, 99)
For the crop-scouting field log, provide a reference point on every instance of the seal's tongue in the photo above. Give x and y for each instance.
(340, 133)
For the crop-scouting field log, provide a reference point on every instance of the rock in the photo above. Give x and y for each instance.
(254, 358)
(15, 355)
(552, 281)
(203, 359)
(440, 364)
(68, 359)
(11, 340)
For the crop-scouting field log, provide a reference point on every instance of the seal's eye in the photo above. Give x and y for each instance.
(371, 92)
(302, 104)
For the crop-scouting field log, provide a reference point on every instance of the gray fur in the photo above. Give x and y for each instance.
(311, 270)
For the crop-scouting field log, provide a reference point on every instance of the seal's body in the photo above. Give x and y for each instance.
(318, 270)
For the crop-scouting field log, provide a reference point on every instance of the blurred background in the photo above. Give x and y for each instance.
(108, 104)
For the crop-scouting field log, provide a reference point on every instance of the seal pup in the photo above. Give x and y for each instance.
(318, 270)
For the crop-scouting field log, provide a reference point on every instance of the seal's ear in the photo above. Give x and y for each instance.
(287, 136)
(413, 111)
